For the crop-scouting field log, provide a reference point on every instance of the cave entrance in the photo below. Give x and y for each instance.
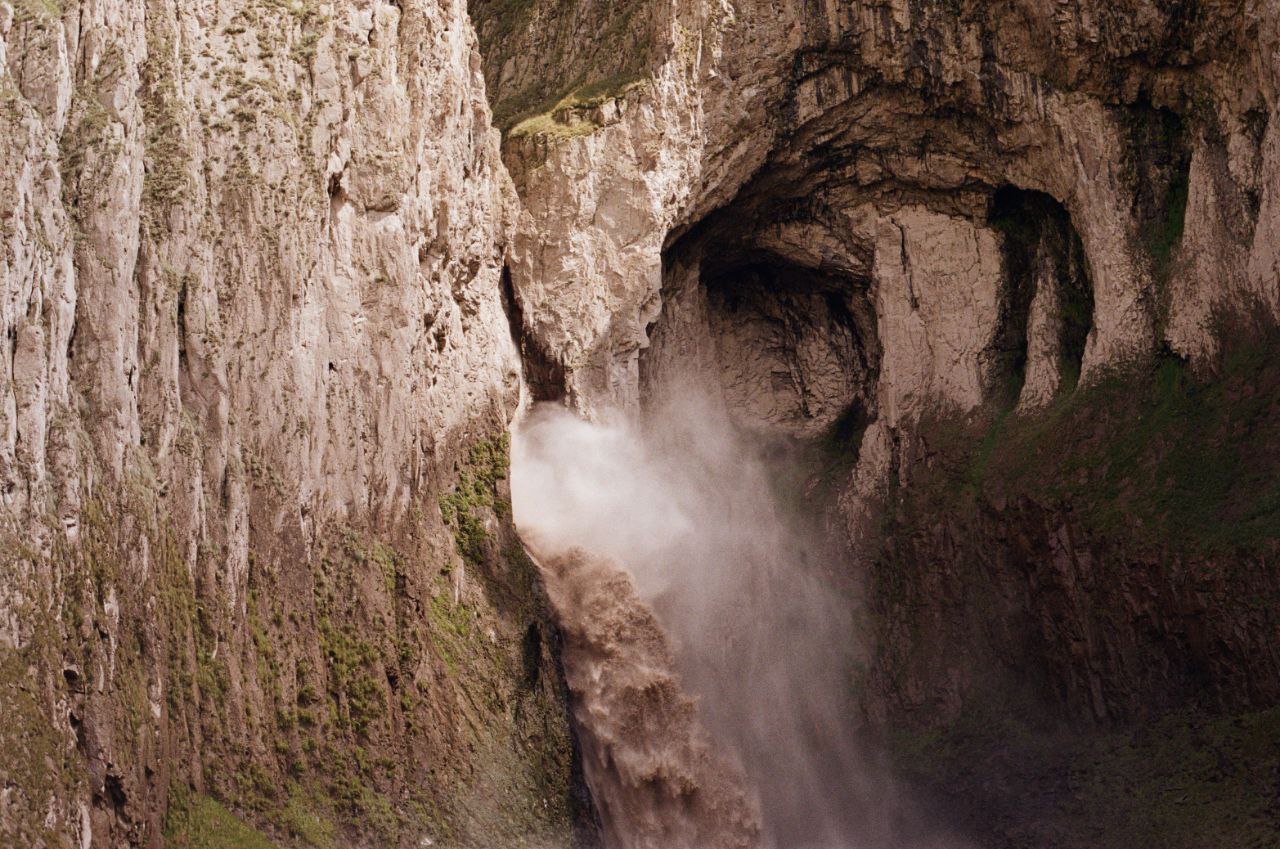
(1046, 310)
(773, 314)
(766, 353)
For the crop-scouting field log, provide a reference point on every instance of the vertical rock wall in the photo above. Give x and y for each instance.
(890, 104)
(1137, 144)
(257, 364)
(256, 378)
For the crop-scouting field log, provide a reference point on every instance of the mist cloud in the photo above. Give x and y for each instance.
(687, 503)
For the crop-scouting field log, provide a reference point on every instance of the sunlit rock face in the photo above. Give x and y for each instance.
(892, 212)
(250, 267)
(829, 108)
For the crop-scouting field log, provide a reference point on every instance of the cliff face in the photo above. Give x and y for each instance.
(1147, 126)
(253, 399)
(1011, 271)
(271, 272)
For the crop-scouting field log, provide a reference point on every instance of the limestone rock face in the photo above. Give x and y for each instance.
(872, 218)
(750, 110)
(250, 271)
(270, 273)
(587, 256)
(937, 302)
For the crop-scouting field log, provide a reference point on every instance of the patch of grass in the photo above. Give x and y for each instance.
(476, 491)
(1162, 161)
(302, 818)
(1161, 453)
(620, 46)
(506, 17)
(1183, 782)
(453, 633)
(40, 12)
(86, 131)
(371, 808)
(812, 472)
(165, 177)
(390, 561)
(842, 443)
(34, 762)
(196, 821)
(550, 122)
(350, 660)
(1161, 235)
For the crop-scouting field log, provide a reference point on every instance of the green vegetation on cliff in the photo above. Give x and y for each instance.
(537, 60)
(1186, 780)
(579, 100)
(463, 507)
(353, 688)
(1073, 582)
(195, 821)
(1161, 453)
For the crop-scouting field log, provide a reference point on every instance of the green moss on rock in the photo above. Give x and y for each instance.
(196, 821)
(553, 120)
(1184, 780)
(476, 491)
(1159, 452)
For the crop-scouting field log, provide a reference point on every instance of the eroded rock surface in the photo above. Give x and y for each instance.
(1012, 266)
(773, 114)
(268, 271)
(252, 416)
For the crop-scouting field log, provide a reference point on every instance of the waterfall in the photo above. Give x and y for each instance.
(673, 563)
(657, 781)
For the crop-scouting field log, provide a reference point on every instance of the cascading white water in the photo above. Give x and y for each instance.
(687, 507)
(657, 780)
(762, 639)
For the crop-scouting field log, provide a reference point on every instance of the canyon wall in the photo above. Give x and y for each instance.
(1007, 271)
(256, 381)
(1008, 274)
(1148, 125)
(888, 214)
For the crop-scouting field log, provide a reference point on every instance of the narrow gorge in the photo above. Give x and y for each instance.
(699, 424)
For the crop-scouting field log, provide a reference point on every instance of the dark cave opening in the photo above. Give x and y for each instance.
(806, 335)
(780, 298)
(1043, 258)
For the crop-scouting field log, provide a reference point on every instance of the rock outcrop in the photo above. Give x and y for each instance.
(253, 403)
(891, 212)
(1140, 123)
(1012, 265)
